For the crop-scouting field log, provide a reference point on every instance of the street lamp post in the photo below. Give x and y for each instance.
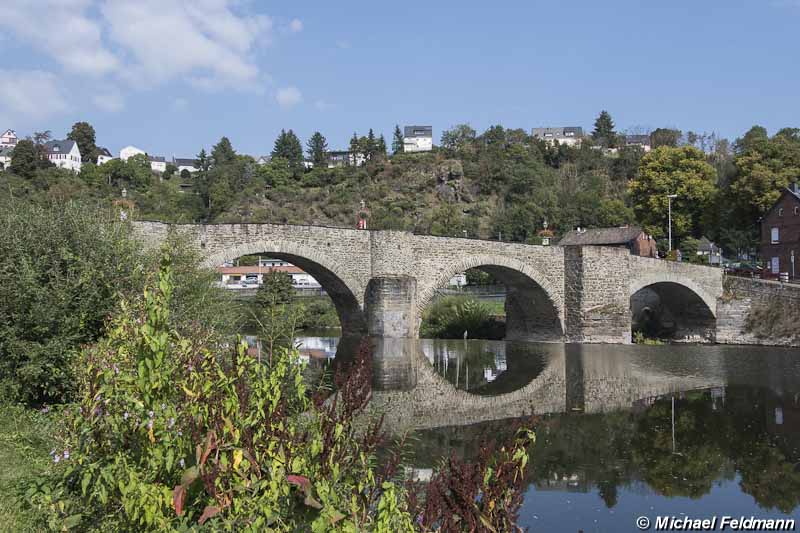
(669, 215)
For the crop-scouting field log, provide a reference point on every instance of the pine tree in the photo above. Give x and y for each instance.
(294, 152)
(223, 152)
(371, 146)
(381, 146)
(202, 161)
(355, 148)
(318, 149)
(397, 140)
(604, 130)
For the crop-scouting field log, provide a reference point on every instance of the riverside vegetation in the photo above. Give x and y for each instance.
(160, 421)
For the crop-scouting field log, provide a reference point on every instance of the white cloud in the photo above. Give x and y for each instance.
(29, 95)
(322, 105)
(343, 45)
(63, 30)
(110, 101)
(203, 41)
(288, 97)
(296, 26)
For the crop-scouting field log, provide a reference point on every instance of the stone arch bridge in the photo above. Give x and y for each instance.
(381, 281)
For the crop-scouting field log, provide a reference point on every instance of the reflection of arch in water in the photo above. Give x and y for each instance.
(347, 294)
(673, 307)
(423, 398)
(534, 310)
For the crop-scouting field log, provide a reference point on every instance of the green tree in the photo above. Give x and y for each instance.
(170, 171)
(764, 167)
(203, 162)
(397, 140)
(84, 135)
(288, 147)
(25, 159)
(380, 146)
(276, 289)
(665, 137)
(371, 146)
(603, 132)
(317, 149)
(223, 153)
(458, 138)
(682, 171)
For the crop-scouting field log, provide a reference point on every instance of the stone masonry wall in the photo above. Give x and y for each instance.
(741, 297)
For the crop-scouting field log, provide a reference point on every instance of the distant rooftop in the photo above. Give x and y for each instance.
(558, 132)
(59, 147)
(418, 131)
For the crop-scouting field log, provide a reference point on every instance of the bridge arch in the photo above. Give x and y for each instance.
(674, 306)
(534, 310)
(345, 291)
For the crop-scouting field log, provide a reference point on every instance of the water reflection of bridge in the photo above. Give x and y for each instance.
(567, 378)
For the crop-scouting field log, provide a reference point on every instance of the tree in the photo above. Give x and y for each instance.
(604, 133)
(665, 137)
(288, 147)
(223, 152)
(458, 138)
(397, 140)
(83, 134)
(186, 175)
(764, 167)
(203, 162)
(682, 171)
(25, 159)
(318, 149)
(276, 289)
(170, 171)
(371, 146)
(380, 146)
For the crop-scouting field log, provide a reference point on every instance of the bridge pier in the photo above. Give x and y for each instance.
(390, 306)
(596, 294)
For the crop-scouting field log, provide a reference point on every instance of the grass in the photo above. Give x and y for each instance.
(25, 444)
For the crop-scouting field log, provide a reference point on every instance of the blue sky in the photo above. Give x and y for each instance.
(173, 76)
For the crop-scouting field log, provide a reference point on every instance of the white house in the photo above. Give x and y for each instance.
(343, 158)
(157, 163)
(236, 277)
(64, 154)
(642, 141)
(5, 156)
(130, 151)
(103, 155)
(8, 138)
(569, 135)
(417, 138)
(184, 163)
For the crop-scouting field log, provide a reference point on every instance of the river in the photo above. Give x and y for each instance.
(622, 431)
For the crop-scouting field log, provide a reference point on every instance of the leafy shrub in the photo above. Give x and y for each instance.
(172, 433)
(449, 317)
(61, 268)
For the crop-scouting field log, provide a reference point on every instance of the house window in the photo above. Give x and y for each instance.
(780, 211)
(775, 236)
(797, 210)
(775, 265)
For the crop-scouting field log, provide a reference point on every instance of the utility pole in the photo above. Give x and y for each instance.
(669, 215)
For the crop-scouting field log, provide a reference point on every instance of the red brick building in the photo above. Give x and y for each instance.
(780, 234)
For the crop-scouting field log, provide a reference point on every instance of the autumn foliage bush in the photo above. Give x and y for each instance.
(179, 432)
